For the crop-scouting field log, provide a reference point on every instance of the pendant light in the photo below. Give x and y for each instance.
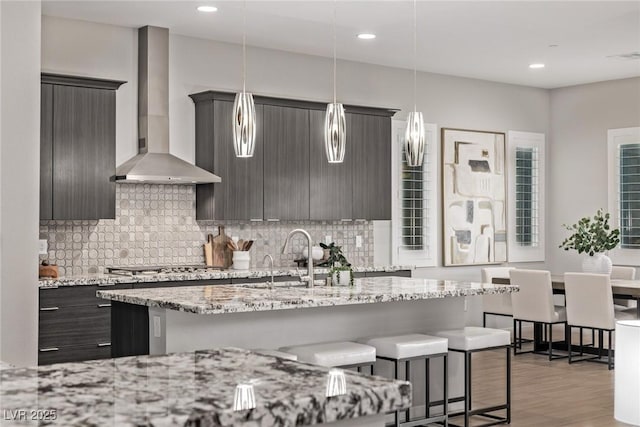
(414, 136)
(244, 110)
(335, 125)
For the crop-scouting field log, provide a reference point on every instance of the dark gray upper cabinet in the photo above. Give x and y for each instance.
(46, 151)
(286, 163)
(78, 129)
(239, 196)
(370, 137)
(289, 177)
(331, 195)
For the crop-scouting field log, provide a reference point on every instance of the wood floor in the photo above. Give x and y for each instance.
(549, 394)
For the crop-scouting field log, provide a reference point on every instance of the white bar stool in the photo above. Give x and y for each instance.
(341, 354)
(471, 340)
(627, 375)
(406, 348)
(276, 353)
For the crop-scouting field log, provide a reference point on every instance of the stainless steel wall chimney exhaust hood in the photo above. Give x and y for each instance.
(154, 164)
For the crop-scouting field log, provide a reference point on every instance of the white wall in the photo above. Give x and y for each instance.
(19, 180)
(105, 51)
(197, 65)
(577, 167)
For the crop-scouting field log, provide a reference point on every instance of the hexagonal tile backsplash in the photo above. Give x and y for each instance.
(155, 225)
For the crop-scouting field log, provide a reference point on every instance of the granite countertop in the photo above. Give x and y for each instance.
(190, 389)
(219, 299)
(5, 365)
(107, 279)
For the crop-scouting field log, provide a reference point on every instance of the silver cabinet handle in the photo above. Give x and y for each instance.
(106, 284)
(49, 308)
(50, 287)
(256, 220)
(273, 220)
(104, 344)
(361, 219)
(44, 350)
(104, 305)
(346, 219)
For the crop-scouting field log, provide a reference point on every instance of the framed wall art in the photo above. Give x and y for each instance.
(473, 197)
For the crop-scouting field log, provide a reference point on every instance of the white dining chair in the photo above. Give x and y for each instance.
(619, 272)
(533, 303)
(590, 306)
(496, 305)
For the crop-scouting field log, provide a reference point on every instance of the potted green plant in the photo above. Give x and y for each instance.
(593, 236)
(341, 272)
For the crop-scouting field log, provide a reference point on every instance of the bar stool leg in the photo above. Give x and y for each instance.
(407, 372)
(427, 398)
(445, 390)
(467, 386)
(609, 364)
(550, 341)
(569, 341)
(396, 415)
(508, 386)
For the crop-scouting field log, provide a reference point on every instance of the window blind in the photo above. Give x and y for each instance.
(527, 196)
(629, 195)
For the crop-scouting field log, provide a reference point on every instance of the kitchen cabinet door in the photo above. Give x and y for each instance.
(370, 136)
(240, 194)
(286, 163)
(331, 195)
(46, 151)
(84, 152)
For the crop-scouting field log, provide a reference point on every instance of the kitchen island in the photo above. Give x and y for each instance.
(192, 389)
(258, 316)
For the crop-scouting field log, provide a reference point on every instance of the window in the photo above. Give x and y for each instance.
(624, 192)
(527, 192)
(525, 197)
(413, 224)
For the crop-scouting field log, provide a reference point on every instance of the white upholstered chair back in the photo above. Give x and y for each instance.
(534, 300)
(589, 300)
(623, 273)
(500, 304)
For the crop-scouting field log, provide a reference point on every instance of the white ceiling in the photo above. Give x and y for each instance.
(491, 40)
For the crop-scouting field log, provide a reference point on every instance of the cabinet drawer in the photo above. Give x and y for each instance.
(48, 355)
(70, 296)
(72, 326)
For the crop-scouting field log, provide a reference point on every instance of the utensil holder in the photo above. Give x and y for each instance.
(241, 260)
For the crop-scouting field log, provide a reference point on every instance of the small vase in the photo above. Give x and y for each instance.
(341, 278)
(598, 263)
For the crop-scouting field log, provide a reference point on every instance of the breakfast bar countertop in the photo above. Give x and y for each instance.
(253, 273)
(191, 389)
(239, 298)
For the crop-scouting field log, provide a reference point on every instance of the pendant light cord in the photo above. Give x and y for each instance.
(415, 55)
(244, 46)
(335, 81)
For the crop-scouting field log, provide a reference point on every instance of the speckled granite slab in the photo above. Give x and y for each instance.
(220, 299)
(102, 279)
(5, 365)
(191, 389)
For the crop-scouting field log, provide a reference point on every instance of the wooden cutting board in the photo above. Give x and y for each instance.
(221, 254)
(208, 251)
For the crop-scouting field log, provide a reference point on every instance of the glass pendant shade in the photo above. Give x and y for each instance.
(414, 140)
(244, 125)
(335, 128)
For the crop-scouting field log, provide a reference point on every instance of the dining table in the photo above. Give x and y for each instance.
(621, 289)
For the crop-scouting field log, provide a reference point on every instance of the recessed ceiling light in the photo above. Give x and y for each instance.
(208, 9)
(536, 65)
(366, 36)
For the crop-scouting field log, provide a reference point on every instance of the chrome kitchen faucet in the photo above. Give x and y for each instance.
(309, 278)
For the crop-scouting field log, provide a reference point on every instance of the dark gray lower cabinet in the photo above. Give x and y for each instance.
(75, 325)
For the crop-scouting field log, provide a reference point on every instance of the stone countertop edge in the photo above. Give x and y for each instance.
(222, 299)
(196, 388)
(255, 273)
